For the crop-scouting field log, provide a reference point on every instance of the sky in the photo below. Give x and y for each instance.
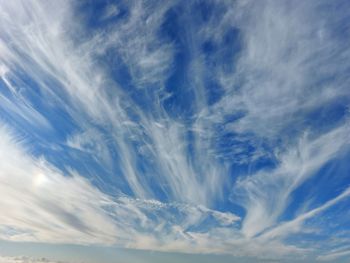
(174, 131)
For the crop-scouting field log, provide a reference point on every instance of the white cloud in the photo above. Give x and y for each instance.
(296, 224)
(93, 143)
(286, 55)
(111, 11)
(266, 194)
(334, 255)
(40, 203)
(283, 67)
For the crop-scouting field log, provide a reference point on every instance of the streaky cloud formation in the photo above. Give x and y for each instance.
(217, 127)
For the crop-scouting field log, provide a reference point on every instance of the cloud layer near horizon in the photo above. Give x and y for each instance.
(24, 259)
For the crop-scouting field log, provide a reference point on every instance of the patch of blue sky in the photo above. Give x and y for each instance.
(327, 183)
(181, 102)
(328, 230)
(101, 14)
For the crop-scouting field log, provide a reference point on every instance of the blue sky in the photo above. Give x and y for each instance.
(177, 131)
